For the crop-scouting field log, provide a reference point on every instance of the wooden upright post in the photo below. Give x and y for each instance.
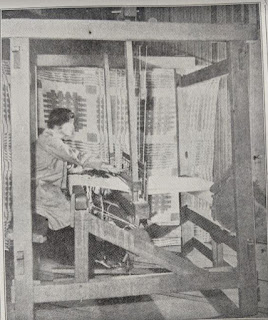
(33, 95)
(81, 246)
(244, 201)
(132, 109)
(21, 177)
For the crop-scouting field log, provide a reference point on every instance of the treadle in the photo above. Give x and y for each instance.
(133, 243)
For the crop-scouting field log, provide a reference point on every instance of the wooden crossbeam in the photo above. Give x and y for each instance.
(134, 242)
(122, 286)
(196, 244)
(188, 247)
(215, 70)
(216, 233)
(126, 30)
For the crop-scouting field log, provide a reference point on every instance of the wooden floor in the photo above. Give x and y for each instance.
(156, 307)
(183, 306)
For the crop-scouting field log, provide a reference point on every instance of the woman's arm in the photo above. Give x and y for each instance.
(59, 149)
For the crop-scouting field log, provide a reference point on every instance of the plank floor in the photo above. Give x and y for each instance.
(183, 306)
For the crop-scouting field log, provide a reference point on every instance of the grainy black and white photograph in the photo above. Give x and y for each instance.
(133, 161)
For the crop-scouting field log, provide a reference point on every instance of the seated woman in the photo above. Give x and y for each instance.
(52, 207)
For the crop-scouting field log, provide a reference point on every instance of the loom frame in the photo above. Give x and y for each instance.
(23, 64)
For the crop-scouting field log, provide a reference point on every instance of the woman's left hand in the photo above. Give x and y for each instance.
(75, 169)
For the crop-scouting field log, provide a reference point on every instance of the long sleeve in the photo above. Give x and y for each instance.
(58, 148)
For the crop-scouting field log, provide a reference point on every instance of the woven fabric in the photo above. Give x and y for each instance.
(120, 116)
(160, 142)
(161, 139)
(83, 91)
(197, 114)
(161, 153)
(6, 152)
(197, 118)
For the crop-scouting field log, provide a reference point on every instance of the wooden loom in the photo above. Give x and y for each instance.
(183, 275)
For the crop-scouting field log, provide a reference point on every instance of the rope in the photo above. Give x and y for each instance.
(139, 103)
(112, 216)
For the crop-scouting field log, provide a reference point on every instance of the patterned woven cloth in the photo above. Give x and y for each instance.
(7, 158)
(197, 119)
(83, 91)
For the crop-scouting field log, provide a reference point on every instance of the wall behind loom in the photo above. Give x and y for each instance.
(238, 13)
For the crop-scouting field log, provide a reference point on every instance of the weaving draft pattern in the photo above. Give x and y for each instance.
(197, 117)
(83, 91)
(6, 152)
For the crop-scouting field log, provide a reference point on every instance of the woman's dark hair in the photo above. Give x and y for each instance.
(59, 116)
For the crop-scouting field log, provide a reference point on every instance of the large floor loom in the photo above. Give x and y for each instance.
(180, 274)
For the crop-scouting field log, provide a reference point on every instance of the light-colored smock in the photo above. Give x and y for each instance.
(52, 155)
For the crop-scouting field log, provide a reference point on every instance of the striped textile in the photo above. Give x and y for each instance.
(6, 152)
(83, 91)
(161, 135)
(161, 153)
(197, 106)
(119, 106)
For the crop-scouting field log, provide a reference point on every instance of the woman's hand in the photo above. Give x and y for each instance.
(97, 164)
(75, 169)
(92, 164)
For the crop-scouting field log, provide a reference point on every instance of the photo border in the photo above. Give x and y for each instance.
(36, 4)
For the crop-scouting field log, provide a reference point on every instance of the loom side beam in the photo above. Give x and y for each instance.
(133, 285)
(215, 70)
(132, 242)
(216, 232)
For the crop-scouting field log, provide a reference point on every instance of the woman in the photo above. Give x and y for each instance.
(51, 204)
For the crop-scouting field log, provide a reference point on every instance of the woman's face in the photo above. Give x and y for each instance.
(67, 129)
